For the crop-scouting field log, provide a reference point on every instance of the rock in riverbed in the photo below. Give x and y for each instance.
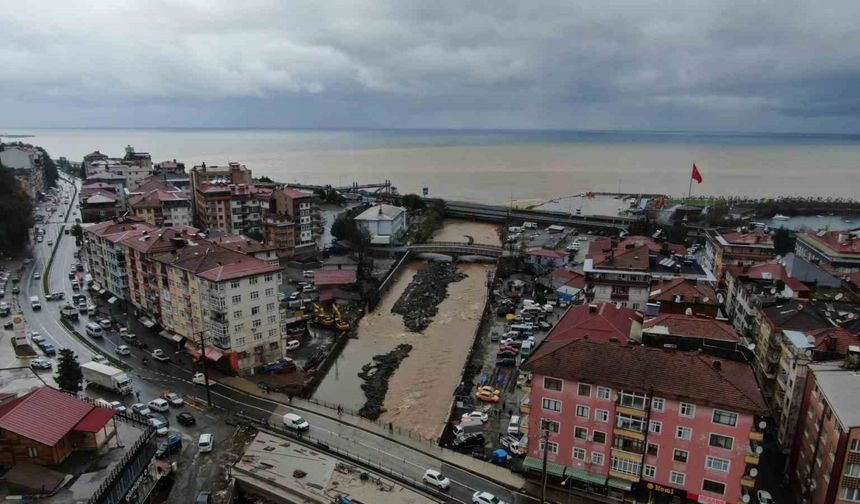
(419, 302)
(375, 375)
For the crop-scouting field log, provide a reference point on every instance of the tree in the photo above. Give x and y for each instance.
(50, 169)
(412, 202)
(17, 213)
(266, 180)
(69, 376)
(255, 234)
(77, 231)
(783, 241)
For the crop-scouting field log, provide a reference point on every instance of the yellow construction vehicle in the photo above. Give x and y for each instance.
(339, 323)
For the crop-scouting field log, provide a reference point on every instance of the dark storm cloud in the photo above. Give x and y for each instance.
(739, 65)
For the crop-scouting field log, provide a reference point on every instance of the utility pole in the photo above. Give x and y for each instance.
(545, 448)
(205, 371)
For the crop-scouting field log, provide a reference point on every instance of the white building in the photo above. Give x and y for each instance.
(385, 223)
(25, 163)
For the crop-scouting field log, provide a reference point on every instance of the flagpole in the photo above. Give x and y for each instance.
(690, 190)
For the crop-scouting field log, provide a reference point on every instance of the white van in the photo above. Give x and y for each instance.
(205, 443)
(94, 330)
(295, 422)
(35, 304)
(514, 425)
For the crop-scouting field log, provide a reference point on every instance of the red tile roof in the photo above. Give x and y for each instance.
(44, 415)
(834, 339)
(215, 263)
(541, 252)
(770, 270)
(831, 241)
(339, 277)
(160, 240)
(95, 420)
(596, 248)
(689, 376)
(666, 290)
(240, 243)
(763, 239)
(605, 322)
(296, 193)
(570, 278)
(691, 327)
(635, 258)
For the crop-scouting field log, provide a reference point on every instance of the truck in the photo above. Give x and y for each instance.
(468, 426)
(106, 377)
(69, 312)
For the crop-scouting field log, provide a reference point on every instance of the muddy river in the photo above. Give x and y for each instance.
(421, 390)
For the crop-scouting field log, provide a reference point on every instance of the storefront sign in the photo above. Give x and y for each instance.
(704, 499)
(660, 488)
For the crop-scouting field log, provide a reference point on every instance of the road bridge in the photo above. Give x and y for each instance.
(498, 213)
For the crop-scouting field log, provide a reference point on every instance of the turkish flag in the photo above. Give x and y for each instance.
(696, 175)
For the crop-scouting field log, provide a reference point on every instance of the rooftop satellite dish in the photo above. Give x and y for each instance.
(762, 424)
(753, 472)
(773, 290)
(759, 450)
(751, 347)
(745, 497)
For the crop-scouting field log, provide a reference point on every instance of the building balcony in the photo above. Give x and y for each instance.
(625, 446)
(628, 432)
(620, 475)
(618, 296)
(782, 380)
(631, 409)
(747, 481)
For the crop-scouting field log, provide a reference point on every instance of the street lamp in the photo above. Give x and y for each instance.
(205, 371)
(545, 437)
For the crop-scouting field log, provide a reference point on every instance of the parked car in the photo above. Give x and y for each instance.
(186, 419)
(37, 275)
(486, 396)
(764, 497)
(105, 324)
(205, 443)
(118, 406)
(158, 416)
(122, 350)
(41, 364)
(468, 442)
(485, 498)
(203, 498)
(477, 415)
(48, 349)
(160, 427)
(514, 425)
(293, 344)
(173, 398)
(101, 359)
(199, 379)
(159, 405)
(171, 445)
(140, 409)
(436, 479)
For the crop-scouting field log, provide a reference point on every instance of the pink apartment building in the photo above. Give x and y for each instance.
(632, 420)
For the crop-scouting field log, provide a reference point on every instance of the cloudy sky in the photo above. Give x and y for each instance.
(749, 65)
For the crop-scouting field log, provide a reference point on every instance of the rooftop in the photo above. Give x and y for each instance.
(46, 415)
(690, 291)
(691, 327)
(841, 388)
(215, 263)
(159, 240)
(542, 252)
(596, 248)
(239, 243)
(569, 278)
(808, 273)
(596, 322)
(770, 271)
(760, 240)
(846, 243)
(689, 376)
(380, 212)
(635, 258)
(338, 277)
(294, 193)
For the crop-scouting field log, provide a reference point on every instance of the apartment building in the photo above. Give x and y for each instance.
(836, 251)
(598, 322)
(735, 249)
(644, 423)
(798, 350)
(134, 167)
(247, 246)
(114, 180)
(228, 297)
(682, 296)
(686, 332)
(105, 252)
(161, 204)
(825, 459)
(231, 208)
(25, 162)
(99, 202)
(234, 173)
(293, 222)
(750, 287)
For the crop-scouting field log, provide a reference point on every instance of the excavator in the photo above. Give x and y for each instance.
(323, 318)
(340, 324)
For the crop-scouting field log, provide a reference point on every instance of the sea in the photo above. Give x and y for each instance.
(528, 167)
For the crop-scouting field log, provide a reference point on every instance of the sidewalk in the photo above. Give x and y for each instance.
(497, 474)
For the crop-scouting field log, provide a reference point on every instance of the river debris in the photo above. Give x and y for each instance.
(375, 375)
(420, 300)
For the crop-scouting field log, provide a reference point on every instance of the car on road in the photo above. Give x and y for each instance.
(122, 350)
(37, 275)
(293, 344)
(50, 243)
(185, 418)
(140, 409)
(105, 324)
(16, 290)
(36, 338)
(485, 396)
(101, 359)
(118, 406)
(476, 415)
(41, 364)
(160, 427)
(764, 497)
(48, 349)
(485, 498)
(295, 422)
(436, 479)
(159, 355)
(8, 325)
(55, 296)
(173, 399)
(205, 443)
(158, 416)
(159, 405)
(171, 445)
(203, 498)
(72, 275)
(127, 336)
(199, 379)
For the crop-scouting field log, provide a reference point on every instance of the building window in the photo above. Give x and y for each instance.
(604, 393)
(271, 319)
(582, 411)
(725, 418)
(687, 410)
(267, 278)
(851, 494)
(551, 404)
(719, 441)
(855, 445)
(237, 314)
(580, 433)
(598, 437)
(270, 307)
(684, 433)
(632, 400)
(272, 333)
(721, 465)
(677, 478)
(626, 466)
(713, 487)
(658, 403)
(550, 425)
(270, 292)
(255, 310)
(258, 336)
(584, 390)
(240, 342)
(238, 327)
(32, 452)
(630, 423)
(601, 415)
(680, 455)
(551, 447)
(655, 426)
(257, 323)
(578, 454)
(552, 383)
(237, 299)
(234, 284)
(650, 472)
(253, 281)
(255, 294)
(596, 458)
(652, 449)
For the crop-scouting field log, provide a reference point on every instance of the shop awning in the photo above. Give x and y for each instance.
(112, 300)
(96, 286)
(561, 471)
(213, 354)
(620, 484)
(102, 292)
(148, 323)
(172, 337)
